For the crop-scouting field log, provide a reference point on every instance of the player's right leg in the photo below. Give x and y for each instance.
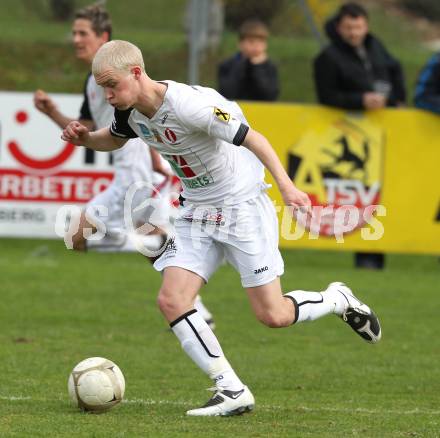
(85, 236)
(176, 301)
(187, 263)
(113, 219)
(85, 229)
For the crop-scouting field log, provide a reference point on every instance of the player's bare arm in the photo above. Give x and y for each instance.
(44, 103)
(261, 147)
(100, 140)
(157, 164)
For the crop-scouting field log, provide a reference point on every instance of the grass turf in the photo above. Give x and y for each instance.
(315, 380)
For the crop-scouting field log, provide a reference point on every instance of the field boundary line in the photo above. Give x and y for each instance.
(271, 408)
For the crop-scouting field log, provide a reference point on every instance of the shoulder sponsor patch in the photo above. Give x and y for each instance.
(222, 115)
(145, 131)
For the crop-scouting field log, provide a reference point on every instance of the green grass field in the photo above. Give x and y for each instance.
(319, 380)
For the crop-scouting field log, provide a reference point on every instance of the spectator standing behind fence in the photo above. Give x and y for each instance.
(356, 72)
(249, 74)
(427, 95)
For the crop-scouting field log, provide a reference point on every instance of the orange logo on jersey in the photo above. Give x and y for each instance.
(221, 115)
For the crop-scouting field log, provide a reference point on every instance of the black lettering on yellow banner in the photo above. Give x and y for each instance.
(222, 115)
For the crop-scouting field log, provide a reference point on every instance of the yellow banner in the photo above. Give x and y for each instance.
(373, 177)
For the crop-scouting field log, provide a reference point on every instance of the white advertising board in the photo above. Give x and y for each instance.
(39, 172)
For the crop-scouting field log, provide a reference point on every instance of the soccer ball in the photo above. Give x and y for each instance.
(96, 384)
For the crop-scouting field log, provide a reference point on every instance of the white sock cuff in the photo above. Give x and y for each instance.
(295, 306)
(311, 305)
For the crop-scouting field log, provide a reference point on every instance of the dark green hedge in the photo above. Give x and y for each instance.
(426, 8)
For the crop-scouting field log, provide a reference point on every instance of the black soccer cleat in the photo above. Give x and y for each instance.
(359, 316)
(365, 325)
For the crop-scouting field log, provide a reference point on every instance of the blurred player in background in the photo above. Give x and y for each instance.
(134, 164)
(226, 212)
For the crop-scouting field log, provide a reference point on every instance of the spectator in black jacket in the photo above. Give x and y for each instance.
(249, 74)
(427, 94)
(355, 71)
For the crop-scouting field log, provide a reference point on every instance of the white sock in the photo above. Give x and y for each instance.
(313, 305)
(151, 242)
(201, 308)
(111, 242)
(125, 242)
(202, 346)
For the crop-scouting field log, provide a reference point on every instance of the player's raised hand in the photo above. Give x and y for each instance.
(75, 133)
(44, 103)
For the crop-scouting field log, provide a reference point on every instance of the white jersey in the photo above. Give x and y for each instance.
(132, 162)
(199, 133)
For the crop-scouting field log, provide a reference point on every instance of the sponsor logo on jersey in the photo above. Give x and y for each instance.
(187, 175)
(207, 217)
(145, 131)
(340, 166)
(157, 136)
(222, 115)
(199, 181)
(260, 270)
(164, 119)
(170, 135)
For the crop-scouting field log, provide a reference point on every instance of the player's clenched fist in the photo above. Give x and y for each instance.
(75, 133)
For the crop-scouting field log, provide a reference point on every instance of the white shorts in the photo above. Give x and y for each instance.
(246, 235)
(125, 208)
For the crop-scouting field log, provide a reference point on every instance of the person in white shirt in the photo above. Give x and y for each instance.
(226, 212)
(132, 163)
(138, 197)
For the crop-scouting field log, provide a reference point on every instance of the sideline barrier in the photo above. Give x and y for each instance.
(389, 157)
(38, 173)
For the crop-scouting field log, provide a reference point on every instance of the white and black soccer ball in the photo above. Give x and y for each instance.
(96, 384)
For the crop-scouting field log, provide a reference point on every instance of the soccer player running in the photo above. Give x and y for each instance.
(134, 165)
(226, 212)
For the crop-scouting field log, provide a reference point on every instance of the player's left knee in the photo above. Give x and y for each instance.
(164, 302)
(170, 303)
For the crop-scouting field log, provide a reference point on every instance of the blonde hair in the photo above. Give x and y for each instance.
(117, 54)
